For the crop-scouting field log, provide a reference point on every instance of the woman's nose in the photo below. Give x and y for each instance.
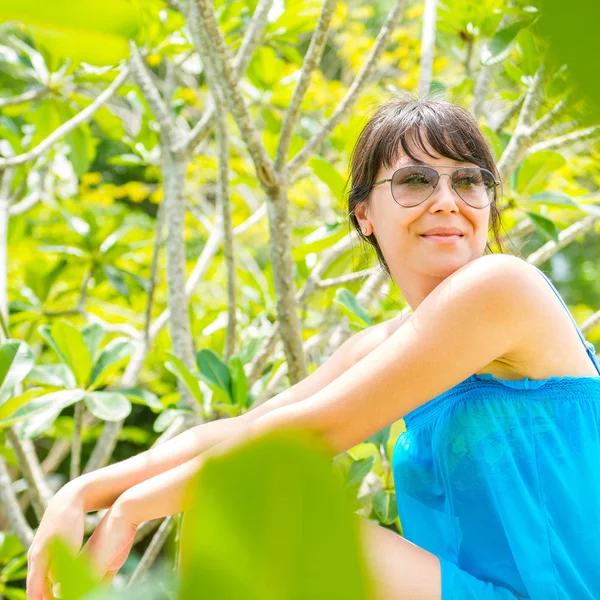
(444, 191)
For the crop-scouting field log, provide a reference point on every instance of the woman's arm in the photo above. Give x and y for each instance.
(99, 489)
(476, 315)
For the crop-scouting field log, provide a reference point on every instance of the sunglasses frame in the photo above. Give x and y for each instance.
(496, 183)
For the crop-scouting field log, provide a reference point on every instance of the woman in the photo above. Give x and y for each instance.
(487, 371)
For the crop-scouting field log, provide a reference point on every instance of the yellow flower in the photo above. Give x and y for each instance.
(187, 94)
(91, 178)
(154, 60)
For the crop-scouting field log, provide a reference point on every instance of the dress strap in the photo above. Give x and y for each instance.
(590, 348)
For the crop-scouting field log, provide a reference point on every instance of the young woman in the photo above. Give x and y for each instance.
(496, 472)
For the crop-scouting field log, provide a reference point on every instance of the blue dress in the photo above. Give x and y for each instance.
(501, 480)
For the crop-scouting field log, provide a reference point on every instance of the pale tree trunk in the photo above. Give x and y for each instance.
(427, 47)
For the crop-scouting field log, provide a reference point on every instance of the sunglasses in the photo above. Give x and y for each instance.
(413, 184)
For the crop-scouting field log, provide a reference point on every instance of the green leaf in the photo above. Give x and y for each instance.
(239, 382)
(57, 400)
(384, 505)
(164, 420)
(498, 47)
(351, 307)
(73, 571)
(544, 225)
(115, 278)
(553, 198)
(248, 352)
(58, 375)
(535, 169)
(275, 499)
(213, 371)
(328, 174)
(67, 341)
(93, 334)
(359, 470)
(10, 547)
(381, 437)
(110, 359)
(319, 240)
(94, 33)
(108, 406)
(141, 396)
(178, 368)
(265, 69)
(37, 424)
(16, 361)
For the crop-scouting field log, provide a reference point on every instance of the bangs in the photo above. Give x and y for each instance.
(425, 128)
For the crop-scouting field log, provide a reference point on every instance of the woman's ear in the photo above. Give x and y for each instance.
(363, 221)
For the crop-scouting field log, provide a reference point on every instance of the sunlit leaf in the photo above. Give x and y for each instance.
(271, 478)
(72, 350)
(384, 505)
(56, 375)
(213, 371)
(109, 360)
(239, 382)
(178, 368)
(108, 406)
(535, 169)
(497, 48)
(16, 361)
(56, 400)
(351, 307)
(329, 175)
(544, 226)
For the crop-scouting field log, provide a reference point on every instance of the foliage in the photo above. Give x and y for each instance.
(88, 267)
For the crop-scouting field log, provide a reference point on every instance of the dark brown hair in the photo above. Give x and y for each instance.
(450, 130)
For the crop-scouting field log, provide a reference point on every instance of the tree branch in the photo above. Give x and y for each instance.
(359, 82)
(310, 63)
(589, 133)
(76, 440)
(32, 472)
(565, 237)
(427, 47)
(540, 125)
(257, 365)
(153, 97)
(517, 146)
(149, 556)
(11, 507)
(60, 132)
(243, 56)
(512, 110)
(344, 279)
(24, 97)
(365, 296)
(224, 208)
(202, 21)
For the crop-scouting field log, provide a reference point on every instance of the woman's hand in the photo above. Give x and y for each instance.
(64, 517)
(111, 542)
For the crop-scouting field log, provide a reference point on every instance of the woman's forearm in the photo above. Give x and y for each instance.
(168, 493)
(99, 489)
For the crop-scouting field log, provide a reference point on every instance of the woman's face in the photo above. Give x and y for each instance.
(419, 264)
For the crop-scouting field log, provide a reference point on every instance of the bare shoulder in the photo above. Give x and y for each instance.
(549, 343)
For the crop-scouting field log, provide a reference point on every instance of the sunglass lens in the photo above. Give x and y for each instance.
(411, 185)
(475, 186)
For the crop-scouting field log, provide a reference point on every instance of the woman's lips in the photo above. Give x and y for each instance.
(443, 239)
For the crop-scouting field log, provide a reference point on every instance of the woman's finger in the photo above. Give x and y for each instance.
(37, 584)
